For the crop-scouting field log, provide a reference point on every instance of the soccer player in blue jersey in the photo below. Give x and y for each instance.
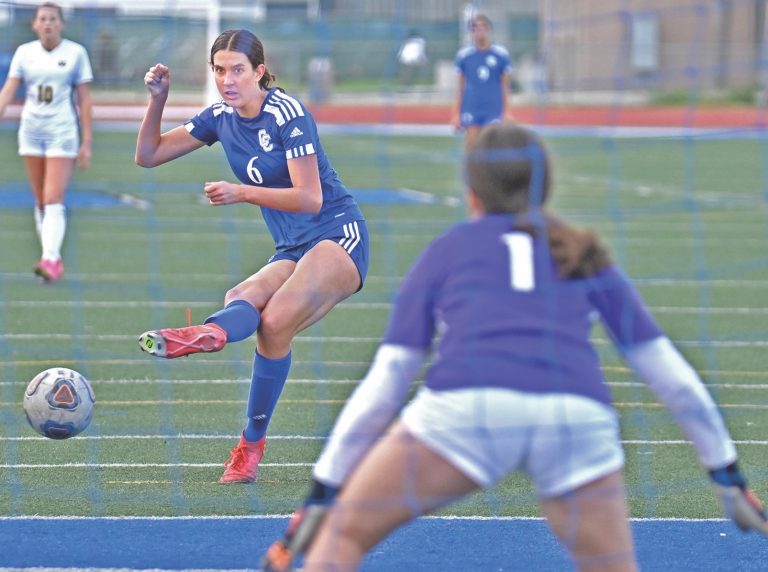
(514, 385)
(484, 69)
(321, 241)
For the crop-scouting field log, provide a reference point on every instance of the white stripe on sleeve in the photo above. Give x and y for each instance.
(277, 112)
(297, 110)
(300, 151)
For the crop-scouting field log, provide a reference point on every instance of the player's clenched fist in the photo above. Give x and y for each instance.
(158, 79)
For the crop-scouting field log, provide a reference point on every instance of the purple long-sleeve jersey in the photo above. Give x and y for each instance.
(504, 318)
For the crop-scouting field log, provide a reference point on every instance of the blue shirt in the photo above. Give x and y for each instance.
(504, 318)
(258, 150)
(483, 71)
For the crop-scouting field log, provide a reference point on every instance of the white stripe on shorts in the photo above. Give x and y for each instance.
(351, 236)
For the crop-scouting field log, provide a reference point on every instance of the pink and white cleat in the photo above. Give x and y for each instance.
(177, 342)
(49, 270)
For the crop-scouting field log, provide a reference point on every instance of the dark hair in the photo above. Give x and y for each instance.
(508, 169)
(481, 18)
(49, 5)
(246, 43)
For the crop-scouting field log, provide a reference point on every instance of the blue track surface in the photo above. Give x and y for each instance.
(425, 545)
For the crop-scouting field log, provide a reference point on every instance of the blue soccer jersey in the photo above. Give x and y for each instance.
(481, 101)
(258, 150)
(504, 318)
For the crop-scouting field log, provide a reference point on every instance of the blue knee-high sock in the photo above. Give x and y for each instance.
(267, 383)
(239, 319)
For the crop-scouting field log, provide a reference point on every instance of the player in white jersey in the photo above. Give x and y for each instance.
(55, 128)
(515, 384)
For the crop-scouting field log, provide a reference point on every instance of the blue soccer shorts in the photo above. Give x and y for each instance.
(351, 236)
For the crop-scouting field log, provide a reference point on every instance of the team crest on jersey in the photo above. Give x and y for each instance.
(62, 63)
(265, 140)
(491, 61)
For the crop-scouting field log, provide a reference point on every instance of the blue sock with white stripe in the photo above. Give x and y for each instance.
(239, 319)
(267, 383)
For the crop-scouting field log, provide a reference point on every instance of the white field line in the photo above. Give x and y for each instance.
(216, 437)
(207, 402)
(133, 337)
(286, 516)
(112, 304)
(198, 362)
(370, 279)
(321, 382)
(175, 277)
(138, 465)
(705, 343)
(82, 465)
(241, 381)
(123, 304)
(179, 436)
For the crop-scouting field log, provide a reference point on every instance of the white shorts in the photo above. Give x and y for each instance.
(561, 441)
(36, 141)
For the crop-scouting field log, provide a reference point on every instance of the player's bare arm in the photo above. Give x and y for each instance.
(305, 196)
(86, 119)
(10, 88)
(152, 147)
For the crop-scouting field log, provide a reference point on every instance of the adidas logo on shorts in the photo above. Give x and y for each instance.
(296, 132)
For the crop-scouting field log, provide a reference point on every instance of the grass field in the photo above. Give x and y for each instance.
(687, 218)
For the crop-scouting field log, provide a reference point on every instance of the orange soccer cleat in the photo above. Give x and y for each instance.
(279, 558)
(177, 342)
(243, 463)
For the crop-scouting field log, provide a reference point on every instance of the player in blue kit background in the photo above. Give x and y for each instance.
(484, 69)
(320, 235)
(514, 385)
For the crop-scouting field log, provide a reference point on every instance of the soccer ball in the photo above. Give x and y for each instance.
(59, 403)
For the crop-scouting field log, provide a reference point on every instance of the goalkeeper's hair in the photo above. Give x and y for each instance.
(507, 167)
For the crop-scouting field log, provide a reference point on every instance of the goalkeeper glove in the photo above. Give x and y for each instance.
(739, 503)
(301, 529)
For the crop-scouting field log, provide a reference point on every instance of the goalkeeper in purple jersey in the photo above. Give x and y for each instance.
(321, 241)
(515, 383)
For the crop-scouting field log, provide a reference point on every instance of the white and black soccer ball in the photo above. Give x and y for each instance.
(59, 403)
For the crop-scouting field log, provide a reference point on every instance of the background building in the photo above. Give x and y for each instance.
(564, 50)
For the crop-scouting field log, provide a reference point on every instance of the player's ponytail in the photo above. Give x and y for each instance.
(267, 79)
(577, 252)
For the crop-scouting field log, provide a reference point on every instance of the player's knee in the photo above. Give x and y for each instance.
(276, 326)
(247, 293)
